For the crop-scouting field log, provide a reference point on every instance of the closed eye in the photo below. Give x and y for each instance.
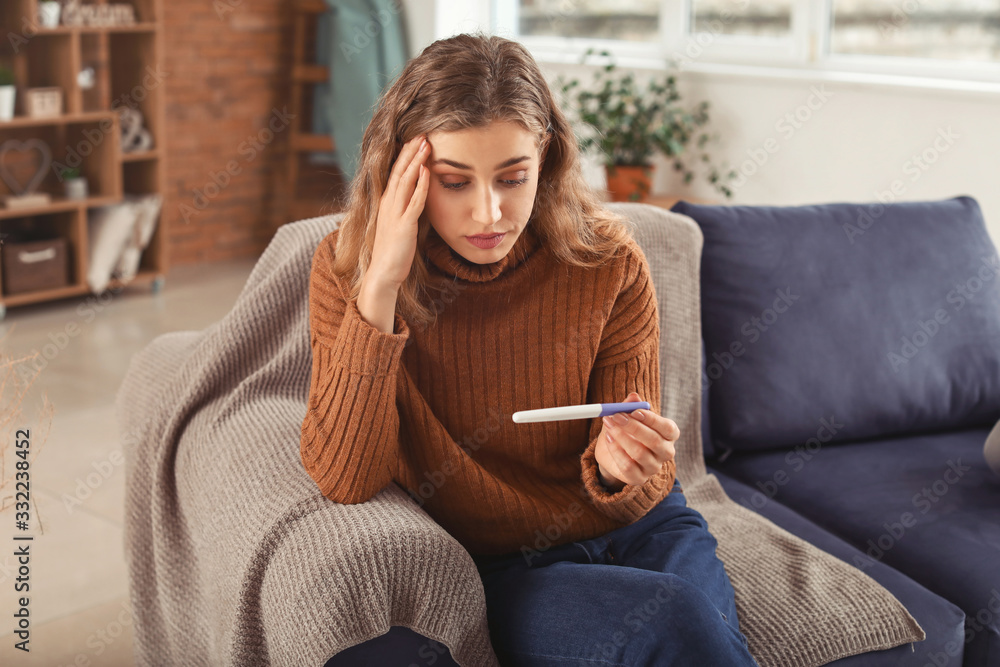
(511, 183)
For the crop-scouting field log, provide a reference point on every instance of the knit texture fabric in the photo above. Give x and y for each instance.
(235, 557)
(431, 409)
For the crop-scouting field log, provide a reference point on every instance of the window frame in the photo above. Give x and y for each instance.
(804, 55)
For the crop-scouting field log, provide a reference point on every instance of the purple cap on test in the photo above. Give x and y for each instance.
(613, 408)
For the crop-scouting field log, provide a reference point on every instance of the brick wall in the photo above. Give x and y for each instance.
(228, 63)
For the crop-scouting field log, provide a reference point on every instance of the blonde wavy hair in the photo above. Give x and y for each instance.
(461, 82)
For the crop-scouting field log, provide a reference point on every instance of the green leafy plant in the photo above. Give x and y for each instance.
(631, 125)
(69, 172)
(6, 76)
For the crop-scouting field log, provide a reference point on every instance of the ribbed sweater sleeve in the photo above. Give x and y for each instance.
(628, 359)
(350, 434)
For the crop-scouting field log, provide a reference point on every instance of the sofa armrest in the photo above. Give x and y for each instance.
(234, 556)
(338, 575)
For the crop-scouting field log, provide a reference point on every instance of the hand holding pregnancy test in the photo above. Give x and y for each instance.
(634, 442)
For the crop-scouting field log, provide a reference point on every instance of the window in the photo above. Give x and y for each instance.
(960, 30)
(953, 40)
(627, 20)
(765, 18)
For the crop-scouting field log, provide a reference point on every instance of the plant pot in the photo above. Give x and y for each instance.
(76, 188)
(629, 182)
(7, 96)
(48, 13)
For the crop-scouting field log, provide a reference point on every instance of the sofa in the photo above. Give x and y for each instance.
(891, 479)
(851, 375)
(235, 558)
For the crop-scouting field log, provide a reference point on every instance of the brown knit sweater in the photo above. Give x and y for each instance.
(430, 407)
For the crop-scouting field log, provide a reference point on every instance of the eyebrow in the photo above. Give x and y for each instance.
(503, 165)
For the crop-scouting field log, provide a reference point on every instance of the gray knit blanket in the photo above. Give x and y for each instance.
(235, 558)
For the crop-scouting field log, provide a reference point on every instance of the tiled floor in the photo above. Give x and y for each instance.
(79, 605)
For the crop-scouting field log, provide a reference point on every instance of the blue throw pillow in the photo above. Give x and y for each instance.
(846, 321)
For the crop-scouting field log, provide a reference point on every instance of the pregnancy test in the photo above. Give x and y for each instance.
(588, 411)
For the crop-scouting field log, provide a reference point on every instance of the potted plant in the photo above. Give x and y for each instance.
(75, 184)
(8, 92)
(631, 125)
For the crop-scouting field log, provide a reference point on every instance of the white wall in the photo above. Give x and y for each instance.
(856, 141)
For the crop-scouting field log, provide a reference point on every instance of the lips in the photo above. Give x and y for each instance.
(486, 242)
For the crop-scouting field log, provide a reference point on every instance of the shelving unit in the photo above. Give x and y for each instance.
(304, 75)
(127, 61)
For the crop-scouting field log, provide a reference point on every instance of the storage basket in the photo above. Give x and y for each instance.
(34, 265)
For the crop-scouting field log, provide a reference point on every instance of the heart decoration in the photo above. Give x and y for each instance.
(23, 147)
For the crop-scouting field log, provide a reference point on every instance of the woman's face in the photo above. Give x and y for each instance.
(482, 181)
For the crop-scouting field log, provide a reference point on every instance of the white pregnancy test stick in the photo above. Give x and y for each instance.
(588, 411)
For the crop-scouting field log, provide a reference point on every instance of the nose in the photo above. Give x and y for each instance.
(486, 210)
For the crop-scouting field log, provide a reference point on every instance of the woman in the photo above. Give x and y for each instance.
(426, 340)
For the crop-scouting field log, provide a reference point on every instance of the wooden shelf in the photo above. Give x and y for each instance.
(68, 30)
(139, 156)
(303, 77)
(88, 132)
(62, 119)
(77, 289)
(312, 142)
(58, 205)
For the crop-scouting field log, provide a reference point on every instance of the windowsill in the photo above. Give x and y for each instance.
(883, 82)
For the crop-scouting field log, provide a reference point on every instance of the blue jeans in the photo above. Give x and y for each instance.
(649, 594)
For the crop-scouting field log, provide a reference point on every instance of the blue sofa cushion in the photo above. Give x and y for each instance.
(925, 505)
(941, 620)
(842, 322)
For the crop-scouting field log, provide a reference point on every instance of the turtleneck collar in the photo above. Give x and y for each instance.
(440, 255)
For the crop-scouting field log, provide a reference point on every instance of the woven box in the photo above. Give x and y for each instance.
(34, 265)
